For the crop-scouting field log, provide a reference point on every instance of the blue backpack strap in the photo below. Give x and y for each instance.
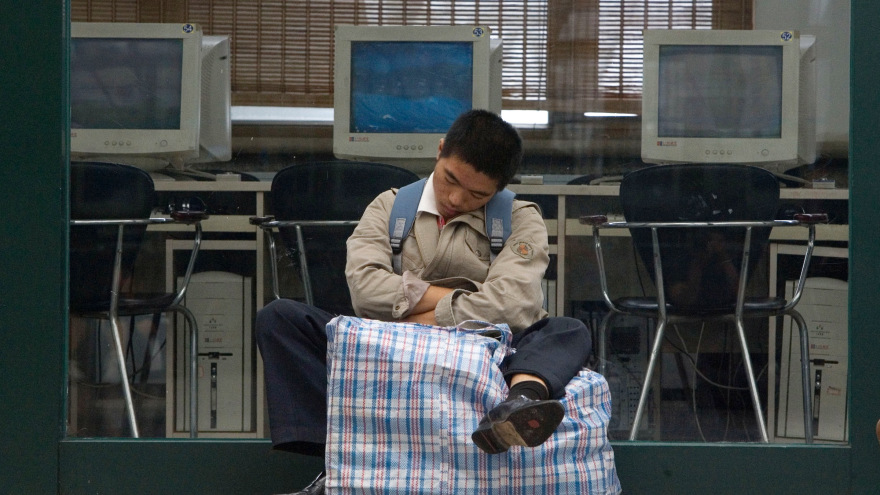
(498, 213)
(403, 213)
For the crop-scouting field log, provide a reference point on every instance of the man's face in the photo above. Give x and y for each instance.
(459, 188)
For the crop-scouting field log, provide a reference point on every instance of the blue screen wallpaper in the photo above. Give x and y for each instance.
(409, 87)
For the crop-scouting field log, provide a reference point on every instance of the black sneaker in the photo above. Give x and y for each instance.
(518, 421)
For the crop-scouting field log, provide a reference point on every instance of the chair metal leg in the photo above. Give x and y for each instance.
(805, 375)
(193, 369)
(649, 373)
(662, 319)
(753, 386)
(113, 316)
(603, 348)
(123, 376)
(273, 262)
(741, 331)
(304, 267)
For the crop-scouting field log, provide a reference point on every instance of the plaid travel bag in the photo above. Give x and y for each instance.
(403, 400)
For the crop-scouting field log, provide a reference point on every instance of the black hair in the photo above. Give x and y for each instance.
(486, 142)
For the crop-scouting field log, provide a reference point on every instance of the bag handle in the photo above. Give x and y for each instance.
(500, 332)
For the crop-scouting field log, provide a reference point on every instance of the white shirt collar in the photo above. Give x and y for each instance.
(428, 202)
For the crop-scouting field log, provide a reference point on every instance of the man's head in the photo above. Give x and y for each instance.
(478, 157)
(486, 142)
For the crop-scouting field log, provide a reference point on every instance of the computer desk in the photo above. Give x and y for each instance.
(558, 229)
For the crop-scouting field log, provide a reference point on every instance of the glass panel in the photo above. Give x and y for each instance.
(583, 74)
(699, 391)
(221, 294)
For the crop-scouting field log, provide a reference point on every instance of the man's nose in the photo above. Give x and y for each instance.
(455, 198)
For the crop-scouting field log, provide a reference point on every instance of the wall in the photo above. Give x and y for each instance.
(829, 21)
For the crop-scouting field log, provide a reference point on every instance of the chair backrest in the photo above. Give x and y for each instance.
(698, 263)
(104, 191)
(334, 190)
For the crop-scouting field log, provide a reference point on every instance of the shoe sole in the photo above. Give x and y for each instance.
(527, 427)
(531, 426)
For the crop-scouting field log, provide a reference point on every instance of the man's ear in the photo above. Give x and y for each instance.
(440, 148)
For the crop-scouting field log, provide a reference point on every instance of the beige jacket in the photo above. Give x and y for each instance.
(508, 291)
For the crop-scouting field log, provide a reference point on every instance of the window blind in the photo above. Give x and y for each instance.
(595, 46)
(559, 55)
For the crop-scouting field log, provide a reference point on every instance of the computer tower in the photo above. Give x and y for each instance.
(627, 351)
(824, 308)
(222, 305)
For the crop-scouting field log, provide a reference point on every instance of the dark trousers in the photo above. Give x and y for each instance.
(293, 343)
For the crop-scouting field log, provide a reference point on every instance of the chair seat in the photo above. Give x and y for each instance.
(752, 306)
(129, 305)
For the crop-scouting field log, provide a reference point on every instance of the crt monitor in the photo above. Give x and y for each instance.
(724, 96)
(397, 89)
(215, 121)
(135, 92)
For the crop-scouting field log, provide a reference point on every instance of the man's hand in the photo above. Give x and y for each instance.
(429, 301)
(426, 318)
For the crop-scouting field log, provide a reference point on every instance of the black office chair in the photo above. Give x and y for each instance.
(700, 230)
(315, 207)
(110, 209)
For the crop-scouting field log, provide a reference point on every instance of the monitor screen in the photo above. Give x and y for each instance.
(712, 91)
(409, 87)
(125, 83)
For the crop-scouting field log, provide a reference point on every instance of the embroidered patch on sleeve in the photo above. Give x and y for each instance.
(523, 249)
